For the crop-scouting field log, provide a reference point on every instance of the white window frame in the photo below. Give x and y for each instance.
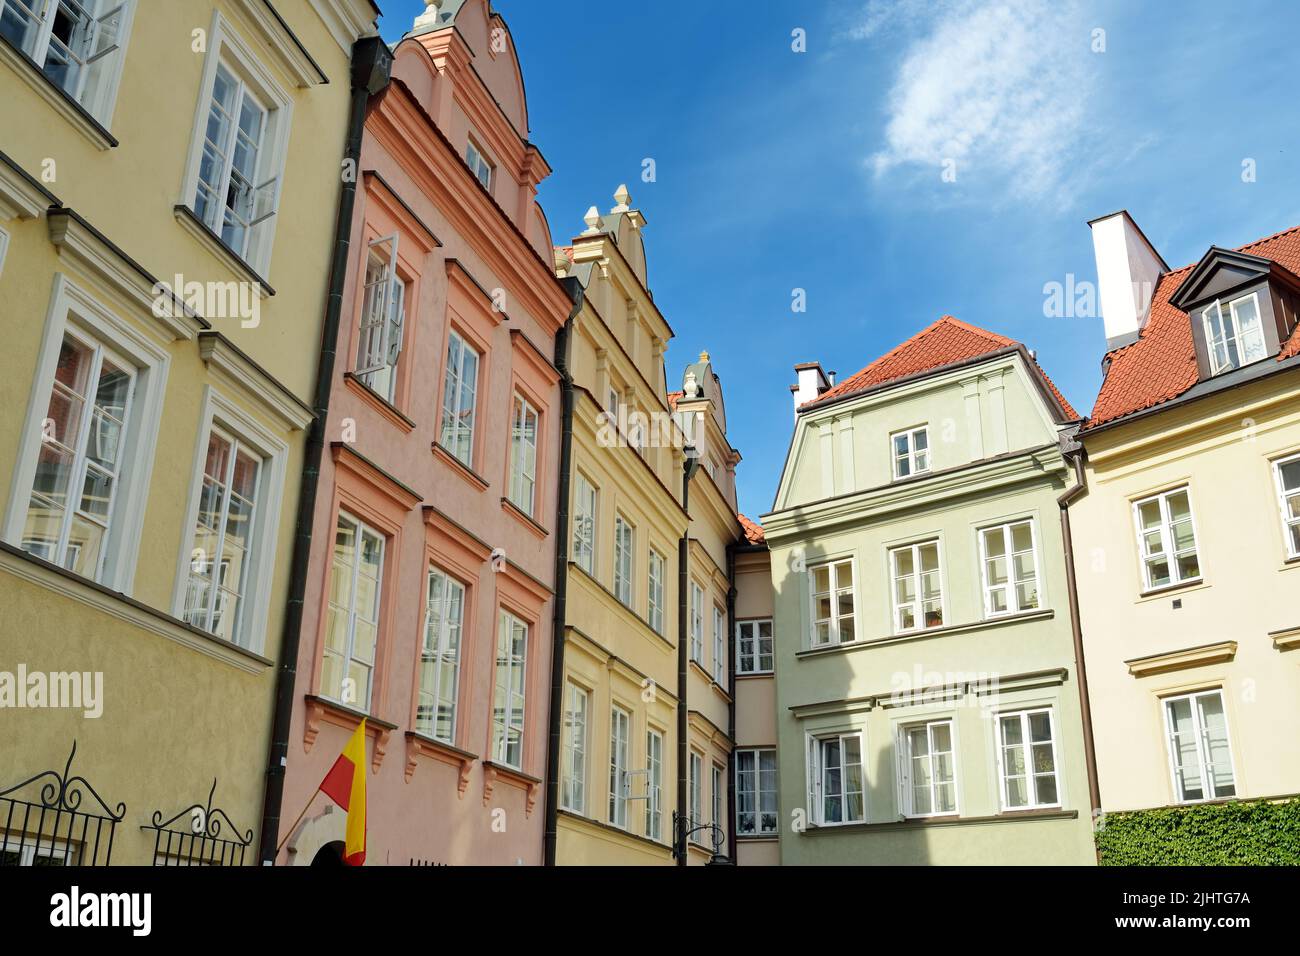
(479, 163)
(586, 514)
(816, 769)
(382, 328)
(624, 559)
(654, 761)
(1166, 538)
(515, 716)
(903, 743)
(1290, 526)
(918, 603)
(223, 414)
(1011, 583)
(620, 745)
(697, 623)
(655, 591)
(696, 783)
(348, 653)
(754, 795)
(1232, 333)
(4, 248)
(226, 47)
(523, 455)
(74, 310)
(573, 779)
(752, 662)
(1026, 746)
(1202, 747)
(833, 635)
(912, 455)
(440, 650)
(719, 645)
(112, 57)
(28, 847)
(455, 414)
(716, 776)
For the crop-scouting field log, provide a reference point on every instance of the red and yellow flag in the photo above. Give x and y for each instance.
(345, 784)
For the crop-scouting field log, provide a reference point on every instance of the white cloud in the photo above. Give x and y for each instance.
(999, 88)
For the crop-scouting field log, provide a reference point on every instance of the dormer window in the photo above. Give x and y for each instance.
(479, 164)
(911, 452)
(1234, 333)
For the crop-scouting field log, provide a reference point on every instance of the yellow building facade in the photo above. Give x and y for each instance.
(169, 187)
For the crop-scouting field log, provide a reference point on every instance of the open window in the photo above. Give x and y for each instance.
(383, 319)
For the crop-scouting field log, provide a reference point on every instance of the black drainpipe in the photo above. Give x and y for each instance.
(689, 467)
(1079, 489)
(731, 707)
(563, 347)
(371, 68)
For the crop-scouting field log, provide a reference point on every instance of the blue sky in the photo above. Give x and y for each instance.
(823, 170)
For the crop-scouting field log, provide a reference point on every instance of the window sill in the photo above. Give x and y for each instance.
(56, 97)
(376, 401)
(773, 837)
(199, 229)
(923, 823)
(418, 744)
(750, 675)
(1023, 618)
(1155, 594)
(323, 710)
(462, 469)
(525, 518)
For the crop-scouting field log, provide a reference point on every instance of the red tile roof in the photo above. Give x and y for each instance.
(1161, 364)
(672, 400)
(754, 533)
(946, 342)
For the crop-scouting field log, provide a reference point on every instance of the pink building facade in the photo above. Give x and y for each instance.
(428, 602)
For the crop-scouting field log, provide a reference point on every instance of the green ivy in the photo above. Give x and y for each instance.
(1255, 833)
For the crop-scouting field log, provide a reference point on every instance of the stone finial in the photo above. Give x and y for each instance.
(562, 263)
(595, 222)
(704, 357)
(690, 386)
(622, 197)
(430, 16)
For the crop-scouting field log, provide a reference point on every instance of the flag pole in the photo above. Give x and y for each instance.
(296, 822)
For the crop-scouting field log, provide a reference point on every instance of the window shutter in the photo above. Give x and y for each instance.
(396, 318)
(904, 774)
(264, 202)
(814, 782)
(105, 35)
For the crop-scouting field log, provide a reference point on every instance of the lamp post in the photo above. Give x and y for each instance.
(683, 831)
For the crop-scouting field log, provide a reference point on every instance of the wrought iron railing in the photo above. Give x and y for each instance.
(199, 843)
(52, 829)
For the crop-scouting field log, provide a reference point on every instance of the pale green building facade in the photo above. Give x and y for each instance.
(928, 706)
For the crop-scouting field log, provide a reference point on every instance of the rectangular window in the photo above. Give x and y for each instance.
(719, 815)
(1234, 337)
(1167, 539)
(719, 645)
(1010, 563)
(697, 768)
(1288, 489)
(918, 589)
(754, 647)
(383, 317)
(573, 781)
(75, 43)
(833, 607)
(1027, 755)
(70, 512)
(1199, 753)
(911, 452)
(523, 455)
(837, 783)
(622, 560)
(238, 183)
(479, 164)
(459, 395)
(223, 534)
(444, 619)
(928, 770)
(352, 626)
(508, 703)
(654, 751)
(655, 587)
(756, 807)
(697, 623)
(584, 524)
(620, 725)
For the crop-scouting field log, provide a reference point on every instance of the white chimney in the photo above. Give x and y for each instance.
(812, 381)
(1128, 268)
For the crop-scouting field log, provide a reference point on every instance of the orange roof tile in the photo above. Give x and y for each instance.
(754, 532)
(943, 343)
(672, 400)
(1161, 364)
